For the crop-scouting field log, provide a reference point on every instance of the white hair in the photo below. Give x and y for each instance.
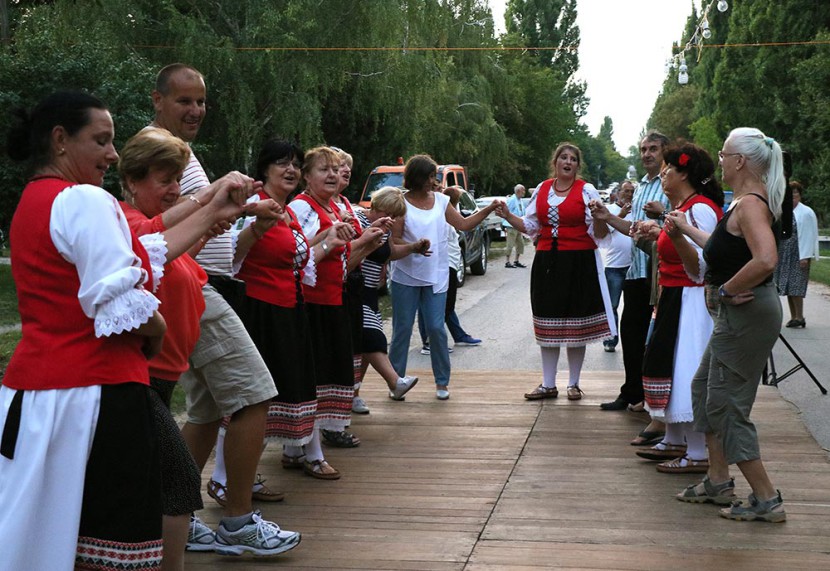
(765, 160)
(517, 187)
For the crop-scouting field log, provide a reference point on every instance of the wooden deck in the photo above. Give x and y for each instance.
(489, 481)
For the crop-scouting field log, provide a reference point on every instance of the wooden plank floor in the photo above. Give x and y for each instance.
(489, 481)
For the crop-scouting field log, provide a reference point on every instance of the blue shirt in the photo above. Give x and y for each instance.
(515, 206)
(648, 191)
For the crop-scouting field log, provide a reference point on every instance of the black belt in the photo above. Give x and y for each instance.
(12, 426)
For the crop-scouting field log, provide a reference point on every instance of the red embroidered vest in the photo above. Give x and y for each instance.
(59, 349)
(672, 273)
(331, 270)
(570, 230)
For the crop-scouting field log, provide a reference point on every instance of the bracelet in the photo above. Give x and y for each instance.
(325, 246)
(723, 293)
(192, 198)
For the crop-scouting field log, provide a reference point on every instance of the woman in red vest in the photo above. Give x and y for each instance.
(319, 217)
(76, 388)
(683, 325)
(568, 292)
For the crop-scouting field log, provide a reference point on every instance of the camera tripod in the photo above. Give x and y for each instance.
(770, 377)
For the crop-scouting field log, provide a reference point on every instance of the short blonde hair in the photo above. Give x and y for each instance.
(389, 200)
(325, 155)
(151, 148)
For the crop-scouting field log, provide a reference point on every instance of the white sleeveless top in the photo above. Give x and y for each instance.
(414, 269)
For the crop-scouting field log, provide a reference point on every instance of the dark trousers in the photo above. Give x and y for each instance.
(636, 317)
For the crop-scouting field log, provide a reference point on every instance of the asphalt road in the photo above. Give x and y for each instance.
(496, 308)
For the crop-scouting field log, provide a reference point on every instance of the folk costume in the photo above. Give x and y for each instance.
(568, 292)
(76, 389)
(274, 272)
(329, 320)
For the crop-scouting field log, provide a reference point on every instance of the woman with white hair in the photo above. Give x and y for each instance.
(741, 255)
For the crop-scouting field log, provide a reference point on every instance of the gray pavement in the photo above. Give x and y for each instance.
(496, 308)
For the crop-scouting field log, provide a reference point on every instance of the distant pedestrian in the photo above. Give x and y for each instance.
(795, 255)
(515, 241)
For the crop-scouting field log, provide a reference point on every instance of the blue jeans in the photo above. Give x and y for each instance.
(616, 279)
(406, 301)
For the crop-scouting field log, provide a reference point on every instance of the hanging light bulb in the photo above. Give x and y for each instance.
(704, 29)
(723, 5)
(683, 76)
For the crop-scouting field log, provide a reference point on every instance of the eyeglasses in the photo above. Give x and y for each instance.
(721, 154)
(284, 163)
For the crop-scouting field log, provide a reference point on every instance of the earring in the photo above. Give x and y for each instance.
(61, 151)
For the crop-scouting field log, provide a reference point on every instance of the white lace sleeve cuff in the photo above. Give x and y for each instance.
(128, 311)
(701, 264)
(156, 247)
(531, 226)
(310, 270)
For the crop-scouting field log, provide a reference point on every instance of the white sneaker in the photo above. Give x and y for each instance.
(403, 386)
(259, 537)
(442, 394)
(425, 350)
(359, 406)
(199, 537)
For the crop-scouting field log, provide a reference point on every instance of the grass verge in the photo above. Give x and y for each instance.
(8, 297)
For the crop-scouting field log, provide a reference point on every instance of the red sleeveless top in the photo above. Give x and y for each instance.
(331, 270)
(672, 272)
(59, 349)
(565, 222)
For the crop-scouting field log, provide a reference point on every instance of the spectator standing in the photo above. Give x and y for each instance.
(515, 241)
(795, 255)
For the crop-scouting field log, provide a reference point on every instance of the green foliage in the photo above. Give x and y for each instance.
(8, 297)
(499, 113)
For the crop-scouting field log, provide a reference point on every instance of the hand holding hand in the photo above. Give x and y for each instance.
(384, 223)
(344, 231)
(598, 210)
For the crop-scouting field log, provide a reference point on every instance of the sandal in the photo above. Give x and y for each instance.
(684, 465)
(262, 493)
(648, 437)
(320, 469)
(574, 392)
(340, 439)
(661, 452)
(217, 491)
(705, 492)
(542, 392)
(292, 462)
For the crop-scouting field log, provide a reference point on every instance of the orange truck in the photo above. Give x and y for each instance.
(392, 175)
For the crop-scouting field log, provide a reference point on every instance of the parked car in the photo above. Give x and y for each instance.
(475, 243)
(392, 175)
(492, 224)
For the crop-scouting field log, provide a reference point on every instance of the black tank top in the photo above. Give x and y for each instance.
(726, 254)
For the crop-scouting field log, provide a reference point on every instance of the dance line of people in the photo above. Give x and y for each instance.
(187, 279)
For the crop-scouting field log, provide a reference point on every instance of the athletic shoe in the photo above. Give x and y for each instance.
(518, 264)
(259, 537)
(442, 394)
(359, 406)
(468, 340)
(200, 537)
(403, 386)
(509, 265)
(425, 349)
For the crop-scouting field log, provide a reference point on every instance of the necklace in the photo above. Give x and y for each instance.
(565, 190)
(684, 201)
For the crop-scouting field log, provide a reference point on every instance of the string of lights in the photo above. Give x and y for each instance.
(702, 32)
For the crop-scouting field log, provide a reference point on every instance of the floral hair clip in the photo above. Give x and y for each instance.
(706, 180)
(683, 160)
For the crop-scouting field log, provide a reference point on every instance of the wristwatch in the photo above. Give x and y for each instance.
(325, 246)
(723, 293)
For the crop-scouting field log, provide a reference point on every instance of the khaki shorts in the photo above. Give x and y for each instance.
(514, 240)
(226, 371)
